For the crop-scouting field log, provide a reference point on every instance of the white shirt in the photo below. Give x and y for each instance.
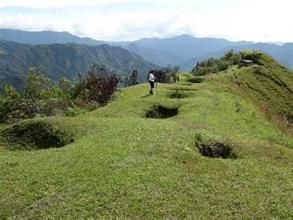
(151, 77)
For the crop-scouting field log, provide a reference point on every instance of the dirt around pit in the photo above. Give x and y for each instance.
(161, 112)
(214, 149)
(177, 94)
(31, 135)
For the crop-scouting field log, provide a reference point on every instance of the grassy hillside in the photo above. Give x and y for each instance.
(122, 164)
(268, 84)
(282, 53)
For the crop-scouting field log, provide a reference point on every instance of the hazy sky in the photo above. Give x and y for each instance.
(256, 20)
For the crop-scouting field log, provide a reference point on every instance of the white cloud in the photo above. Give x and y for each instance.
(238, 19)
(58, 3)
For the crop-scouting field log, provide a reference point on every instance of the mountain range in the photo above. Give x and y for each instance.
(64, 53)
(65, 60)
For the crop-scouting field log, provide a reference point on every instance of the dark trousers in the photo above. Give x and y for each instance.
(152, 85)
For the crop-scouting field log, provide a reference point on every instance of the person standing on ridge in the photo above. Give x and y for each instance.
(152, 82)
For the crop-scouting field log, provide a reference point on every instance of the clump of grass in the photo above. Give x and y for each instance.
(36, 135)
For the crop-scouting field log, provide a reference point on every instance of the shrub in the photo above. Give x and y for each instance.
(37, 85)
(213, 65)
(41, 97)
(9, 102)
(167, 75)
(98, 86)
(132, 79)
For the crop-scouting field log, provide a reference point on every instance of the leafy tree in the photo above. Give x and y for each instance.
(37, 85)
(98, 86)
(43, 98)
(10, 93)
(133, 78)
(167, 75)
(8, 102)
(213, 65)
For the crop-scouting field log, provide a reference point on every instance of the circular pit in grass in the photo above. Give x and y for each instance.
(161, 112)
(36, 135)
(216, 150)
(177, 94)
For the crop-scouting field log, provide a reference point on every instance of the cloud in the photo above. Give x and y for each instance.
(128, 20)
(57, 3)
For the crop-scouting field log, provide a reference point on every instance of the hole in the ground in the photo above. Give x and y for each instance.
(176, 94)
(36, 135)
(196, 80)
(215, 149)
(159, 111)
(289, 118)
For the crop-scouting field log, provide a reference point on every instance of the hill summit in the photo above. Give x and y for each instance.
(267, 83)
(257, 76)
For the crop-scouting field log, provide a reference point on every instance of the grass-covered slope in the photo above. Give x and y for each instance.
(268, 84)
(122, 164)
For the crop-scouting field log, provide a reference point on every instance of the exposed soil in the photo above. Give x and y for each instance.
(196, 80)
(36, 135)
(214, 149)
(176, 94)
(159, 111)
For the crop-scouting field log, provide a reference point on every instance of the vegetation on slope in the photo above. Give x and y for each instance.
(263, 80)
(42, 97)
(123, 164)
(65, 61)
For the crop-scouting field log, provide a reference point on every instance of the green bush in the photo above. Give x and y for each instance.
(41, 97)
(98, 87)
(9, 102)
(213, 65)
(37, 85)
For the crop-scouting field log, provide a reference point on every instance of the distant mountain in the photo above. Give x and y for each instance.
(186, 50)
(183, 50)
(160, 57)
(159, 51)
(185, 46)
(178, 50)
(65, 60)
(44, 37)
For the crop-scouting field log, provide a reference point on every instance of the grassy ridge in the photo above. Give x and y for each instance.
(122, 164)
(269, 85)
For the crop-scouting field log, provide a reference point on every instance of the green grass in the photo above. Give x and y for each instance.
(124, 165)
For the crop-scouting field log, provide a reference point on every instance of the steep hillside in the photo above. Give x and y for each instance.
(267, 83)
(160, 156)
(64, 60)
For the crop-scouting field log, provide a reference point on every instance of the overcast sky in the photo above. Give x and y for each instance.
(255, 20)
